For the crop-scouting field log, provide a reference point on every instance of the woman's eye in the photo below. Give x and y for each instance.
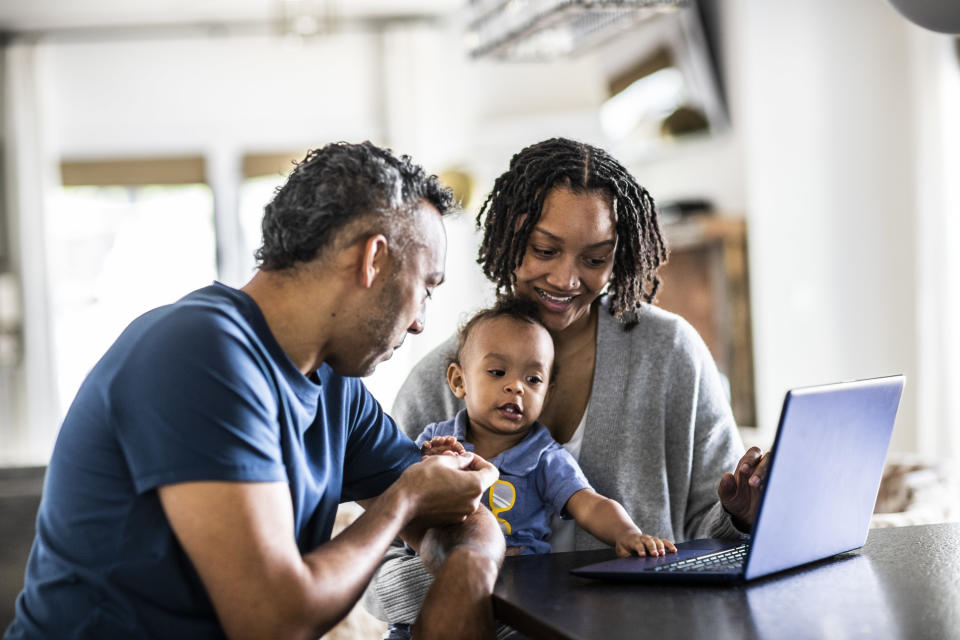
(595, 262)
(544, 253)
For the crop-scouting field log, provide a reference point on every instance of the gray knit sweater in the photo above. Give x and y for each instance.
(659, 433)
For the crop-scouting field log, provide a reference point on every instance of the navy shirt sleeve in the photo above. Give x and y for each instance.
(193, 402)
(377, 450)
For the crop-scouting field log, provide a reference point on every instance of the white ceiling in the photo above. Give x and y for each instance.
(55, 15)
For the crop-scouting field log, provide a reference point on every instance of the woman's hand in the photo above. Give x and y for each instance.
(740, 491)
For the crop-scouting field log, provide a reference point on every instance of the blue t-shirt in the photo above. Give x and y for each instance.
(537, 477)
(197, 390)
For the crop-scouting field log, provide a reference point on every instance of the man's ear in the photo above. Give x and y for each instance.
(373, 259)
(455, 380)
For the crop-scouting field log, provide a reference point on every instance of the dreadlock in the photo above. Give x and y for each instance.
(515, 203)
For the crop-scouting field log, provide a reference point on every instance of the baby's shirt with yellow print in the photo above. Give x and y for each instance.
(537, 477)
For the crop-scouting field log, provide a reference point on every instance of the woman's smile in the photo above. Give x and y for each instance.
(561, 303)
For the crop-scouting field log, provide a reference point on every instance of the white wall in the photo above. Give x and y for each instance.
(937, 86)
(827, 119)
(194, 94)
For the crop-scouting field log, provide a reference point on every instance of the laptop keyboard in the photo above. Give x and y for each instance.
(719, 561)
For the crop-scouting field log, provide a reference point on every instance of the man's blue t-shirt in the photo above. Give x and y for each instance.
(197, 390)
(537, 478)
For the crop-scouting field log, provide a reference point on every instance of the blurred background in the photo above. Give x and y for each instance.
(804, 155)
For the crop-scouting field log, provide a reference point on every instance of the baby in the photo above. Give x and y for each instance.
(502, 370)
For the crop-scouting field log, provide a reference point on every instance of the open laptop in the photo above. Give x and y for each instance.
(821, 487)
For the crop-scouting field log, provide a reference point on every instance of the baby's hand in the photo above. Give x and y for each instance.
(442, 444)
(634, 542)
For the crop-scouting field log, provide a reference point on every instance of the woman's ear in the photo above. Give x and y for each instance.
(373, 259)
(455, 380)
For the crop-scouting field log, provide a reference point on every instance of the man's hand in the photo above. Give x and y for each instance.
(740, 492)
(459, 542)
(443, 490)
(442, 444)
(633, 542)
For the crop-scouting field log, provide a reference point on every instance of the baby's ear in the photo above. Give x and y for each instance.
(455, 380)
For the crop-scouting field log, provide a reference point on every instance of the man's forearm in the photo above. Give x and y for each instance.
(479, 532)
(468, 555)
(340, 569)
(465, 559)
(397, 592)
(240, 537)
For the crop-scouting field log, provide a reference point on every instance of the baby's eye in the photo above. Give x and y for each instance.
(498, 373)
(534, 379)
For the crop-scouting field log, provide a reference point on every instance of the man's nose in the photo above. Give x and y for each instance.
(417, 326)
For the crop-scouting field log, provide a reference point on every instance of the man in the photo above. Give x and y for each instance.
(194, 483)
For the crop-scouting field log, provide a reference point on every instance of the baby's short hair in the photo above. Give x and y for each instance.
(505, 306)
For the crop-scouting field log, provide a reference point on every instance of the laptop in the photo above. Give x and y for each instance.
(821, 487)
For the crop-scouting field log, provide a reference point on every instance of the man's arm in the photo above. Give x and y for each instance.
(241, 539)
(465, 560)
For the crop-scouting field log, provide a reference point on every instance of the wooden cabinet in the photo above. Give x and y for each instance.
(706, 281)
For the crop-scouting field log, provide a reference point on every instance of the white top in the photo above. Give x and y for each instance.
(563, 528)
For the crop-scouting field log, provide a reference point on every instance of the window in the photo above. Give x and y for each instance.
(116, 251)
(263, 174)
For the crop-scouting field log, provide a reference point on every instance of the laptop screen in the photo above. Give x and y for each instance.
(825, 472)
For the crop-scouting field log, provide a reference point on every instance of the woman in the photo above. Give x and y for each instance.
(637, 398)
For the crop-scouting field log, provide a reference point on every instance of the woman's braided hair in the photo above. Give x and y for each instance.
(512, 210)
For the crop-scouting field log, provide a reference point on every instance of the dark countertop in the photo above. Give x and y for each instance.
(903, 583)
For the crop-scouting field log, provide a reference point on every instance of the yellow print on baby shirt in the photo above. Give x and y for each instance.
(502, 497)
